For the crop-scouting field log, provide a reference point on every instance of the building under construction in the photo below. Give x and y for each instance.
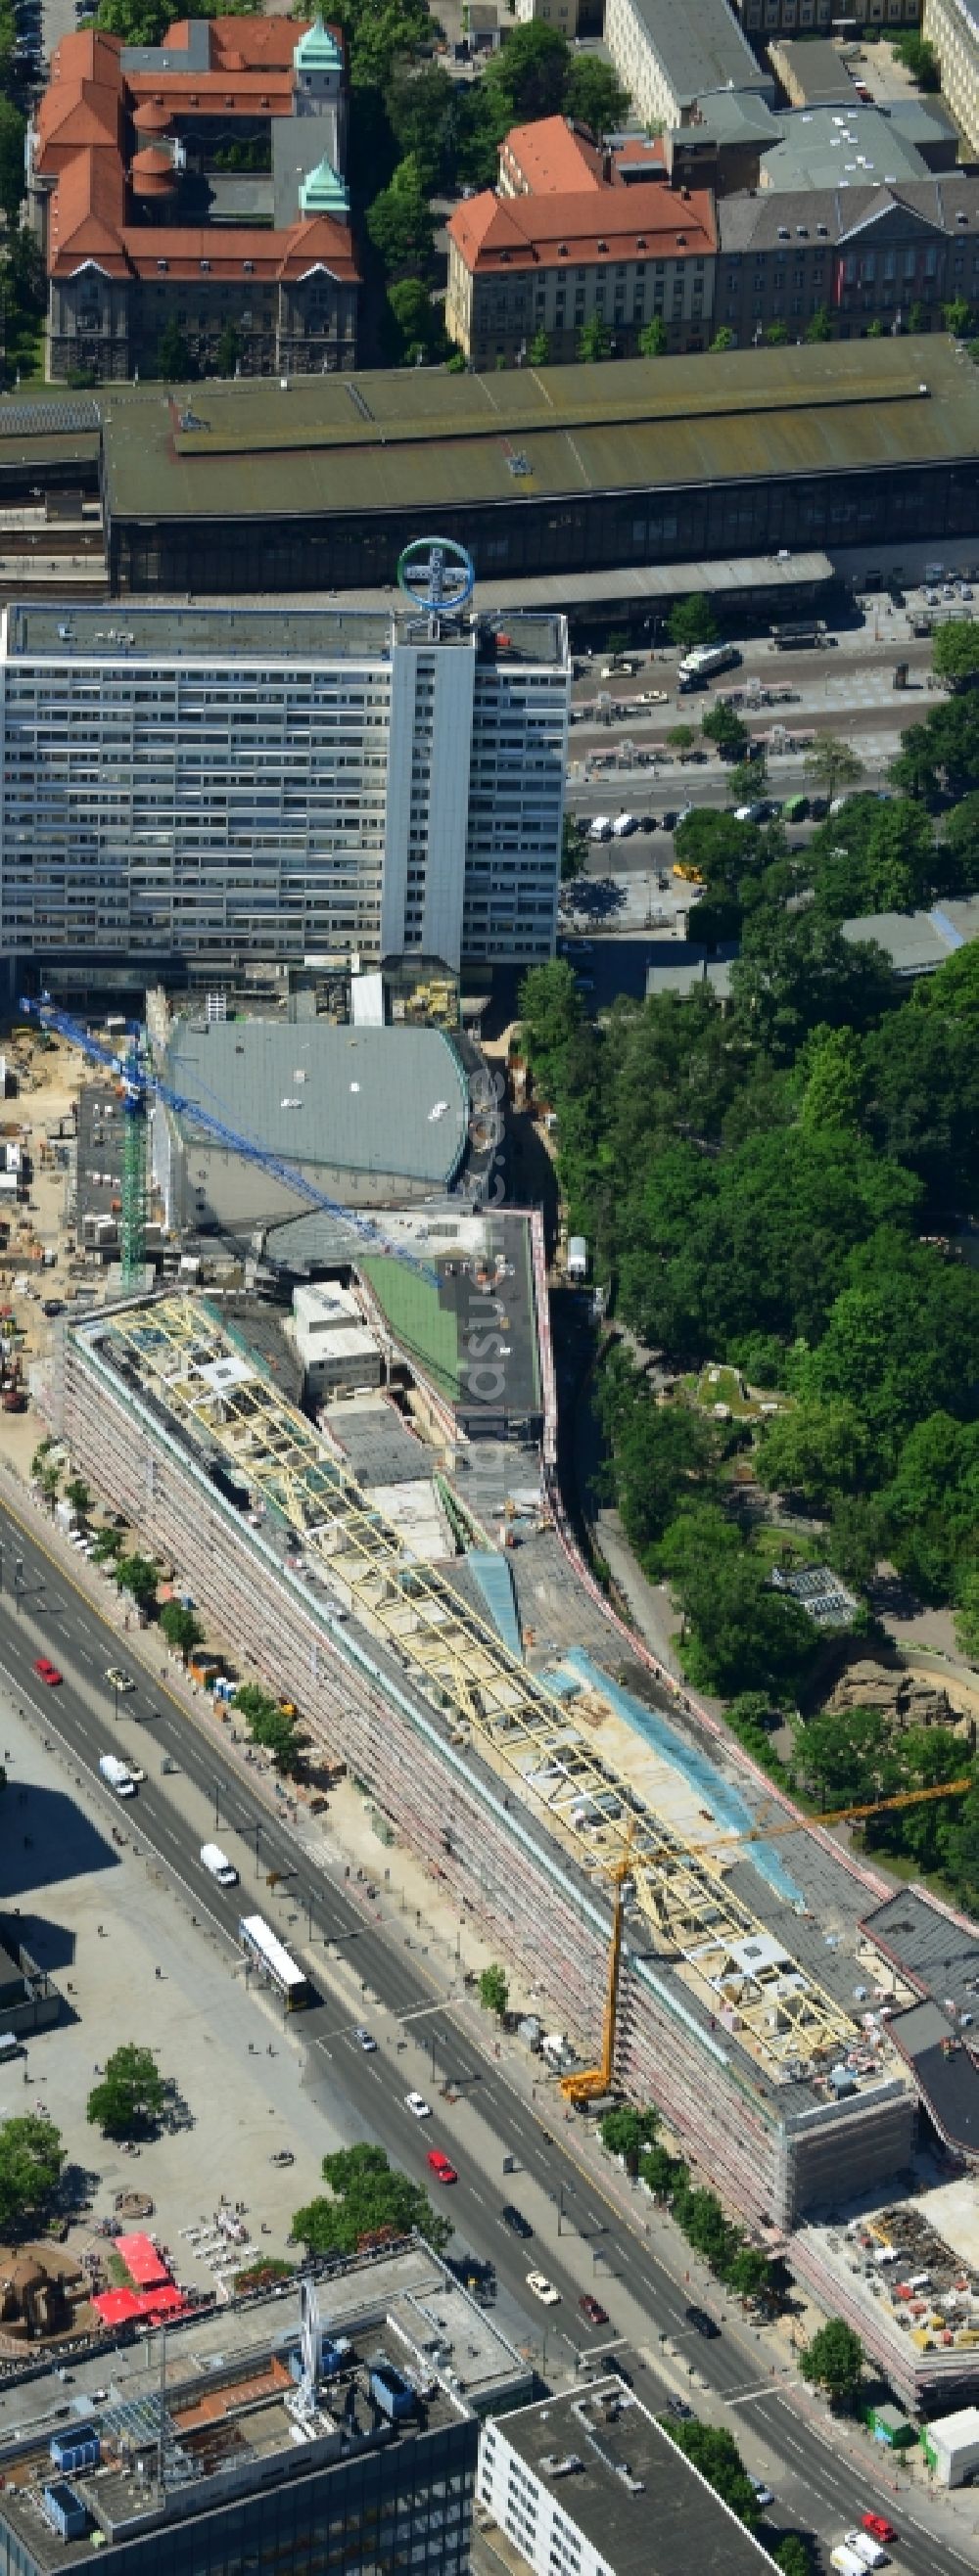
(730, 2017)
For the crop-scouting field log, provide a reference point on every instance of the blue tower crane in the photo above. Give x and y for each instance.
(139, 1085)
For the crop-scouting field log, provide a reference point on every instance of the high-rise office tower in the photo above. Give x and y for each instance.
(217, 785)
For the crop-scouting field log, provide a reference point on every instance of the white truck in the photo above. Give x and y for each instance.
(600, 827)
(705, 660)
(117, 1775)
(847, 2561)
(221, 1868)
(866, 2548)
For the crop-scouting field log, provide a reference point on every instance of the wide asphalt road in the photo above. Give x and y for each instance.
(42, 1611)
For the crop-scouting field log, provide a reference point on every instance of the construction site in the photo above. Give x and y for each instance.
(358, 1498)
(516, 1786)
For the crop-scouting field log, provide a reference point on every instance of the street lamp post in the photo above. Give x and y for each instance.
(217, 1809)
(18, 1579)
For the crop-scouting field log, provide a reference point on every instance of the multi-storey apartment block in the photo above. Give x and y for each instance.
(889, 257)
(671, 60)
(224, 784)
(576, 235)
(196, 188)
(952, 26)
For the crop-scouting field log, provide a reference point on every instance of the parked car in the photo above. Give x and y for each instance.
(365, 2039)
(417, 2105)
(878, 2526)
(543, 2289)
(592, 2310)
(678, 2408)
(514, 2219)
(764, 2495)
(441, 2168)
(46, 1671)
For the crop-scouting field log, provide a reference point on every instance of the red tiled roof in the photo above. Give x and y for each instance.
(551, 156)
(517, 232)
(238, 93)
(86, 215)
(81, 129)
(641, 148)
(250, 42)
(151, 117)
(224, 249)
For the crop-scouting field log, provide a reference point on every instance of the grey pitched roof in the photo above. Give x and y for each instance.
(701, 48)
(820, 147)
(761, 222)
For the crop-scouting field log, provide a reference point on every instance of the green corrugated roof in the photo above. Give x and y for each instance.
(416, 438)
(425, 1329)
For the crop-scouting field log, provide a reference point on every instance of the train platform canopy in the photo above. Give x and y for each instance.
(423, 440)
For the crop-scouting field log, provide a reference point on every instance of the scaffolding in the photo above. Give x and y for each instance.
(209, 1383)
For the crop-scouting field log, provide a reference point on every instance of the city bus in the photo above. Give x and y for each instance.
(799, 637)
(262, 1950)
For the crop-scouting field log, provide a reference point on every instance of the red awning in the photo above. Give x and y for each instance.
(117, 2307)
(141, 2259)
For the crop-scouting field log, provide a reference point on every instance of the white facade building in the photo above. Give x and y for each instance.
(587, 2483)
(218, 785)
(952, 26)
(671, 59)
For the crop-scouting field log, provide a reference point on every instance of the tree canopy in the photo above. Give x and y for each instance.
(31, 2158)
(955, 654)
(269, 1725)
(773, 1186)
(367, 2196)
(130, 2093)
(714, 2451)
(834, 2360)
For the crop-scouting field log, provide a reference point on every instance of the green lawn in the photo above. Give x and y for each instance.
(778, 1546)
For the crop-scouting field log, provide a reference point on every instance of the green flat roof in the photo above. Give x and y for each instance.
(414, 439)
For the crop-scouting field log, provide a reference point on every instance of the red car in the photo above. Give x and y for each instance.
(47, 1672)
(878, 2526)
(593, 2310)
(441, 2168)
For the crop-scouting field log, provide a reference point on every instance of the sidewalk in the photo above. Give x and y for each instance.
(347, 1849)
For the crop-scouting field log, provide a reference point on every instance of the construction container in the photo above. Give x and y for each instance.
(951, 2446)
(75, 2451)
(890, 2426)
(65, 2511)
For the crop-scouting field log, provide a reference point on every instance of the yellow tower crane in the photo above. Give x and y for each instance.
(595, 2081)
(592, 2084)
